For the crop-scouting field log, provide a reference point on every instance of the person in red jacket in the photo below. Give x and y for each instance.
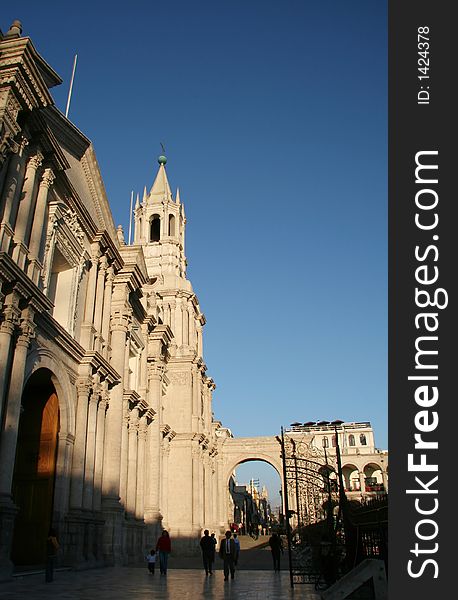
(164, 547)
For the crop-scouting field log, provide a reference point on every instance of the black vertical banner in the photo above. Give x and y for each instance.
(423, 331)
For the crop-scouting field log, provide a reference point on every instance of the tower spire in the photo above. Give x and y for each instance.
(161, 188)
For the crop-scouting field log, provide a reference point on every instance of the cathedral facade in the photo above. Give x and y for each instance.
(104, 391)
(106, 425)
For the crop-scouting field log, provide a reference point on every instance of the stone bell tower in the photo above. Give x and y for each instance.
(185, 415)
(159, 228)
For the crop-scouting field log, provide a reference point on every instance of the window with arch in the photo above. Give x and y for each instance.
(351, 440)
(362, 439)
(325, 442)
(155, 228)
(172, 225)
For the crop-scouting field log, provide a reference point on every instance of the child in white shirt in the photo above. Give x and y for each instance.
(151, 559)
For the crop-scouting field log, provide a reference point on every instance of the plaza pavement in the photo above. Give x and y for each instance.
(135, 583)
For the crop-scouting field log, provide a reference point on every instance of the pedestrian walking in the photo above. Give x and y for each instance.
(276, 547)
(151, 560)
(52, 546)
(208, 552)
(227, 552)
(214, 542)
(164, 547)
(237, 548)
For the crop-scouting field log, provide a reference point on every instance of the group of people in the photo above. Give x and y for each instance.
(229, 552)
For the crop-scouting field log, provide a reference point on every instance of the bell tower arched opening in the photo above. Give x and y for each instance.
(155, 228)
(35, 468)
(171, 226)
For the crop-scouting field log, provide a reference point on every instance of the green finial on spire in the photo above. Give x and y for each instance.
(162, 159)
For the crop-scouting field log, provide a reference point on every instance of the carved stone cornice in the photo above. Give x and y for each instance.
(25, 71)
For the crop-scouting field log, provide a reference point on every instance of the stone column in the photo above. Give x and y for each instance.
(9, 434)
(196, 485)
(87, 328)
(185, 326)
(99, 444)
(154, 480)
(83, 388)
(99, 299)
(25, 208)
(164, 480)
(195, 400)
(178, 331)
(111, 507)
(8, 439)
(111, 467)
(199, 340)
(214, 502)
(12, 185)
(124, 454)
(126, 373)
(132, 463)
(141, 463)
(89, 465)
(222, 492)
(11, 314)
(362, 482)
(107, 311)
(35, 267)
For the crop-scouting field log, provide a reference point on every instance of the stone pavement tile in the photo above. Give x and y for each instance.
(137, 584)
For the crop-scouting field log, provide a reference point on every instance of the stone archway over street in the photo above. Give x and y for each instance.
(236, 451)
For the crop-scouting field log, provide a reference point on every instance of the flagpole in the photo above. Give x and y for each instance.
(71, 85)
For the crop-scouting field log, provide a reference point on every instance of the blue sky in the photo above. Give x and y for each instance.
(274, 119)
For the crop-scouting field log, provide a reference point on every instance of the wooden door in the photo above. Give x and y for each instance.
(33, 485)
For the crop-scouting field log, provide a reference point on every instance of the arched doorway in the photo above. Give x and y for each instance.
(254, 497)
(35, 467)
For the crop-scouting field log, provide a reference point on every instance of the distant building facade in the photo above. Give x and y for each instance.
(106, 424)
(364, 467)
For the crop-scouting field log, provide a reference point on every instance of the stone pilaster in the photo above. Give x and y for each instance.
(99, 299)
(35, 267)
(8, 439)
(89, 465)
(12, 186)
(124, 454)
(164, 491)
(87, 328)
(83, 388)
(154, 477)
(99, 445)
(141, 466)
(25, 209)
(196, 485)
(13, 403)
(107, 311)
(11, 314)
(132, 463)
(111, 507)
